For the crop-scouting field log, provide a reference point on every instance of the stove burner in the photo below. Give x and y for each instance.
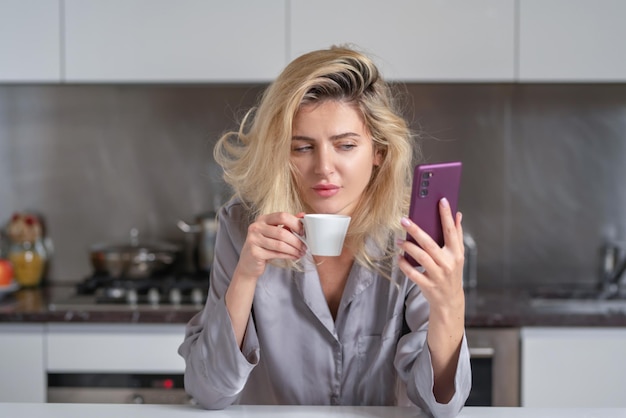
(181, 289)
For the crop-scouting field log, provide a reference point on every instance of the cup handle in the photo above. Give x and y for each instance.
(301, 238)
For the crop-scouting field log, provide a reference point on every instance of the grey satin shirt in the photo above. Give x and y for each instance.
(293, 353)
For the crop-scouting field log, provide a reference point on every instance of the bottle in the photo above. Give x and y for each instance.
(27, 252)
(470, 268)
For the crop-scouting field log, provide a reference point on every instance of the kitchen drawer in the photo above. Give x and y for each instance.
(114, 348)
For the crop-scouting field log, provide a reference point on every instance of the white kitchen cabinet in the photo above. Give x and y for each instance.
(414, 40)
(218, 41)
(30, 41)
(572, 40)
(174, 41)
(573, 367)
(22, 371)
(114, 348)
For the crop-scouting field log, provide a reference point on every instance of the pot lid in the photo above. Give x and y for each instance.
(135, 245)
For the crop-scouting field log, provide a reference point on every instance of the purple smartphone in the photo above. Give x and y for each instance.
(431, 182)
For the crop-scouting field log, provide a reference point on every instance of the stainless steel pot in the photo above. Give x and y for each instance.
(200, 241)
(133, 260)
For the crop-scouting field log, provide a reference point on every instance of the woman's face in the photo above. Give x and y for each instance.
(334, 156)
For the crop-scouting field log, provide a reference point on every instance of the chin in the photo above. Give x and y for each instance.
(334, 210)
(331, 207)
(322, 209)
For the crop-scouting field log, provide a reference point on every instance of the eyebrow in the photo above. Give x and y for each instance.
(332, 138)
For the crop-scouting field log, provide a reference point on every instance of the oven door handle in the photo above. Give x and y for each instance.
(482, 352)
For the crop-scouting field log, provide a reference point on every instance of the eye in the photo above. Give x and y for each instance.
(347, 146)
(302, 148)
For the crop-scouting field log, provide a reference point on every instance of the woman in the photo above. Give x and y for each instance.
(365, 328)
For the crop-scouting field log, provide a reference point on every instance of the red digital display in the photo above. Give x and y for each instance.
(168, 384)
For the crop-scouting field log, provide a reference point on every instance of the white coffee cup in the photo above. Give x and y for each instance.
(324, 233)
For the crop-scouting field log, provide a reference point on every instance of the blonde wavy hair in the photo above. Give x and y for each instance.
(256, 158)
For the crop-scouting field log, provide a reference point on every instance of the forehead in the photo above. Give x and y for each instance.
(331, 114)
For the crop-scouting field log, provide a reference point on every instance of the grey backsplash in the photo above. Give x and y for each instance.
(543, 181)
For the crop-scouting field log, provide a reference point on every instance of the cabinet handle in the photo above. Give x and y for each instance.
(138, 399)
(482, 352)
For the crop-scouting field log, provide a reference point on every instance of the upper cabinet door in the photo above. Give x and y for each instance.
(30, 41)
(415, 40)
(174, 41)
(572, 40)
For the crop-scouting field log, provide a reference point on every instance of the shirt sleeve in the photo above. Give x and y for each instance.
(414, 364)
(216, 369)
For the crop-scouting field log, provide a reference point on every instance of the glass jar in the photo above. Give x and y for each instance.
(4, 246)
(29, 262)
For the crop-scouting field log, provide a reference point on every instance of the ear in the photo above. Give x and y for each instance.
(378, 157)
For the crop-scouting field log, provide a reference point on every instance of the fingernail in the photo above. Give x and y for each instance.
(405, 221)
(460, 216)
(444, 202)
(399, 242)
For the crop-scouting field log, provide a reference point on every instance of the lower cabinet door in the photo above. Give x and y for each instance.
(22, 370)
(573, 367)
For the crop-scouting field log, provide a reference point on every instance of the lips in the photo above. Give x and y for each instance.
(326, 190)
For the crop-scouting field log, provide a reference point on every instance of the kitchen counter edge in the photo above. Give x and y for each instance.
(43, 410)
(492, 308)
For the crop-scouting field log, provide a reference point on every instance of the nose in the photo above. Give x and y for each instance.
(324, 163)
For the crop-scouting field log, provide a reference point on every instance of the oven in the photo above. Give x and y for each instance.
(116, 388)
(495, 361)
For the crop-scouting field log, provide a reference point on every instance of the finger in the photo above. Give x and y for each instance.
(284, 240)
(255, 255)
(427, 249)
(459, 228)
(274, 238)
(262, 253)
(293, 225)
(285, 220)
(422, 238)
(415, 274)
(424, 260)
(450, 233)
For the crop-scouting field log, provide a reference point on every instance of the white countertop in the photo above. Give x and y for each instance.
(54, 410)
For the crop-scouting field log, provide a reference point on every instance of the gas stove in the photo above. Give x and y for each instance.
(180, 290)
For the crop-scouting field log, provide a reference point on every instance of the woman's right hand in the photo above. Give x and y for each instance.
(270, 238)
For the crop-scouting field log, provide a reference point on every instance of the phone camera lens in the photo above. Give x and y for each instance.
(427, 175)
(423, 192)
(425, 183)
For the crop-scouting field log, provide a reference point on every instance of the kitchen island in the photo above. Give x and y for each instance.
(50, 410)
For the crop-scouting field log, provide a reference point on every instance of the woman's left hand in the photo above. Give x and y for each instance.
(441, 279)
